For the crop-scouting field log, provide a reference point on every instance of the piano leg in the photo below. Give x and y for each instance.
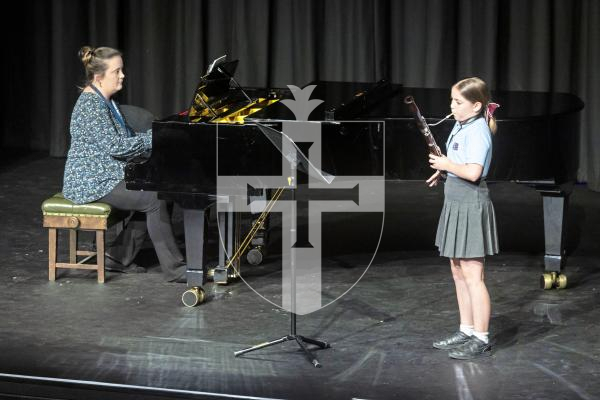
(196, 230)
(555, 205)
(229, 231)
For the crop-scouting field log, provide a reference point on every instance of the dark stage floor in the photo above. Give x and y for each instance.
(131, 338)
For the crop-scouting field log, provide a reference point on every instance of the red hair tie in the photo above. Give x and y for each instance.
(489, 112)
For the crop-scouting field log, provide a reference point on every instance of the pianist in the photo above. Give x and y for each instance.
(101, 143)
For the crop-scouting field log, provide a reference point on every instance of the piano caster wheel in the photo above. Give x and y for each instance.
(547, 280)
(553, 280)
(192, 297)
(561, 281)
(254, 256)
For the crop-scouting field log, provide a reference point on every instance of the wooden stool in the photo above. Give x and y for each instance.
(60, 213)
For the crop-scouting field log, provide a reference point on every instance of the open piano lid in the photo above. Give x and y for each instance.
(215, 94)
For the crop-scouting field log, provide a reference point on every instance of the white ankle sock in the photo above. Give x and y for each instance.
(466, 329)
(483, 336)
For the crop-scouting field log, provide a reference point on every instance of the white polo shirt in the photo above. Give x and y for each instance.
(470, 142)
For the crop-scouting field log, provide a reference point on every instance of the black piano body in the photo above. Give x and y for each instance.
(537, 145)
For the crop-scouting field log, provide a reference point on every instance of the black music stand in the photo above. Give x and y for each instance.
(298, 161)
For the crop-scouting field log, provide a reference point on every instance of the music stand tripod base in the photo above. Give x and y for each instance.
(299, 339)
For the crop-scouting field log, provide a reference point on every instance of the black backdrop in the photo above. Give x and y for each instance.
(540, 45)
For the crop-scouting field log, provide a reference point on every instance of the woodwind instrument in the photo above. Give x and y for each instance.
(422, 126)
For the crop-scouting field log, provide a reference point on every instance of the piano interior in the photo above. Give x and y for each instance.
(219, 99)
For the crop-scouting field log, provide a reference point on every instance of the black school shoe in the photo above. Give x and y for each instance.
(474, 348)
(452, 341)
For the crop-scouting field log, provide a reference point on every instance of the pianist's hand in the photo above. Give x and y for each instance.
(434, 179)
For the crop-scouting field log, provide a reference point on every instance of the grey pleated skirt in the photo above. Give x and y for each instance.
(467, 226)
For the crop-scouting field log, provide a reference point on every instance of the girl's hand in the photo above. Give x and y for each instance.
(434, 179)
(440, 163)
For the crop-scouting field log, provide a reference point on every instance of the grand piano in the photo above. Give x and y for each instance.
(537, 145)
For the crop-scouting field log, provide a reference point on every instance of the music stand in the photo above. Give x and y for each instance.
(298, 161)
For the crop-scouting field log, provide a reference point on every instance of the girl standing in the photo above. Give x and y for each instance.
(467, 227)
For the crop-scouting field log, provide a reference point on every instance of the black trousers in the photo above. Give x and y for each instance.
(157, 224)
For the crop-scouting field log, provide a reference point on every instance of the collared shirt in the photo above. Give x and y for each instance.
(470, 142)
(99, 148)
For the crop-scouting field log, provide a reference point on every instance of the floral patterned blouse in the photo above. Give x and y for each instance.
(99, 148)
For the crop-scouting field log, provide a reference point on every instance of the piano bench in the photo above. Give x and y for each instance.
(60, 213)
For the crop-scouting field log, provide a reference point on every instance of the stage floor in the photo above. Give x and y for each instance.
(131, 338)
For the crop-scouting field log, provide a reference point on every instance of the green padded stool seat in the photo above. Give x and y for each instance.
(60, 213)
(58, 205)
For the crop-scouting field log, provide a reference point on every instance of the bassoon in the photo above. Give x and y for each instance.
(422, 126)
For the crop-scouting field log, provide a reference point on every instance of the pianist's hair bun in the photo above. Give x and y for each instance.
(85, 54)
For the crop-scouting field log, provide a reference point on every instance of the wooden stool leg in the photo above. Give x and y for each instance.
(52, 254)
(72, 246)
(100, 254)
